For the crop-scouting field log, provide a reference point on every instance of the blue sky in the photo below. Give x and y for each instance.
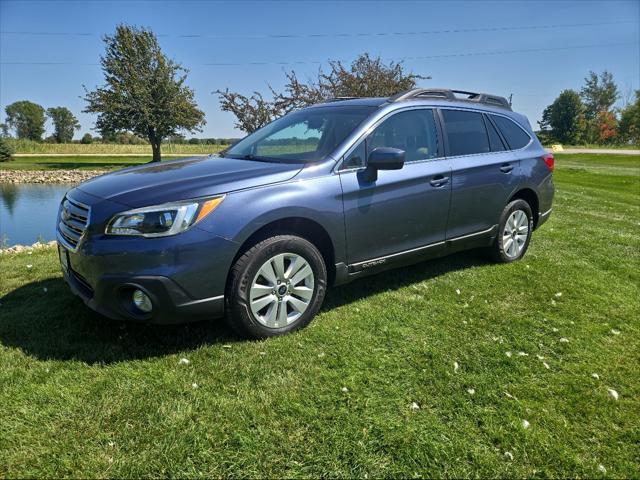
(232, 35)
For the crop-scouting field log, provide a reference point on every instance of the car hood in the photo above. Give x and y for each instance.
(182, 179)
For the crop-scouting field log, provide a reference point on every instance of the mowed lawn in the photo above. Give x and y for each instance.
(430, 370)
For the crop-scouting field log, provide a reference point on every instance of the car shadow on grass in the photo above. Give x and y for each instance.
(46, 321)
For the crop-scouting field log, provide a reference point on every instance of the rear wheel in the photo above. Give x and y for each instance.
(277, 286)
(514, 233)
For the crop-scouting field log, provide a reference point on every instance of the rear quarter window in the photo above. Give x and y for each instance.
(515, 136)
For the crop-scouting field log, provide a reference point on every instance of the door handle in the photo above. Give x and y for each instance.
(439, 181)
(506, 168)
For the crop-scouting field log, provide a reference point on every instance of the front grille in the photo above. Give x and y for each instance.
(72, 222)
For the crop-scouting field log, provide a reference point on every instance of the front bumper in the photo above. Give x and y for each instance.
(184, 276)
(171, 305)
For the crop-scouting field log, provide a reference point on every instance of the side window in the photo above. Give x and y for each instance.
(413, 131)
(495, 142)
(356, 158)
(516, 137)
(466, 132)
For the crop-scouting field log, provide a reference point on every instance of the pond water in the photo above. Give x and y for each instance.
(28, 212)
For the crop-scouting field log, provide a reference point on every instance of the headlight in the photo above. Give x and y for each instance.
(162, 220)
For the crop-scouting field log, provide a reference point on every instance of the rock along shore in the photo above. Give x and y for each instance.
(48, 176)
(27, 248)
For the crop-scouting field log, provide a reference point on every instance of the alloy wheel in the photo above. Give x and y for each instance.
(282, 290)
(515, 234)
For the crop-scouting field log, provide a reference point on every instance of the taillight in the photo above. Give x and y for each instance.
(548, 160)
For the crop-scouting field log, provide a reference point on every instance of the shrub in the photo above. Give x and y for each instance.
(6, 152)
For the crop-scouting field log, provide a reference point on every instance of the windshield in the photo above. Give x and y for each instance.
(304, 136)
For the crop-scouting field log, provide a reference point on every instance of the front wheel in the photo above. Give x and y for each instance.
(275, 287)
(514, 233)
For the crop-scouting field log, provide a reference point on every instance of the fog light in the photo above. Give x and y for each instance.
(142, 301)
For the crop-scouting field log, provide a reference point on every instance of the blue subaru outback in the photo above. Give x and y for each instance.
(319, 197)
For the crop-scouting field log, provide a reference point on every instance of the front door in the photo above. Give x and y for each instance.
(404, 209)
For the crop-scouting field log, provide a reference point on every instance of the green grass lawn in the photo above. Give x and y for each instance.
(82, 396)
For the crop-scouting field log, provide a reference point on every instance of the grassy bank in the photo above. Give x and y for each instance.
(25, 146)
(371, 387)
(66, 163)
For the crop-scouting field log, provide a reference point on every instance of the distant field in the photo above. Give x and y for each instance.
(109, 148)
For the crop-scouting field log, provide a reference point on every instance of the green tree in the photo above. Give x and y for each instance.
(565, 118)
(27, 119)
(144, 91)
(629, 126)
(598, 94)
(86, 139)
(365, 77)
(64, 123)
(6, 152)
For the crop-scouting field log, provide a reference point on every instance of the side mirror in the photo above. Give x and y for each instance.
(383, 158)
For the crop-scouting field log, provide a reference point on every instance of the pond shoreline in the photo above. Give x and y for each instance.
(27, 248)
(48, 176)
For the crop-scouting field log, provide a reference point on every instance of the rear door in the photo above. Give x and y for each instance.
(403, 209)
(484, 172)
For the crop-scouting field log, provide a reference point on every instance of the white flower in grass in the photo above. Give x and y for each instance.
(508, 455)
(183, 361)
(546, 365)
(29, 266)
(615, 332)
(414, 406)
(194, 385)
(564, 340)
(321, 355)
(523, 354)
(508, 395)
(553, 302)
(558, 295)
(525, 424)
(602, 469)
(612, 393)
(226, 346)
(471, 391)
(539, 357)
(508, 354)
(455, 367)
(555, 330)
(596, 376)
(344, 389)
(458, 291)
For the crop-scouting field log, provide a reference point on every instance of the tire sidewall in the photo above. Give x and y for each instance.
(239, 302)
(508, 210)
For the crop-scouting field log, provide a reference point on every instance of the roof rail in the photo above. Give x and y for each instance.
(451, 95)
(338, 99)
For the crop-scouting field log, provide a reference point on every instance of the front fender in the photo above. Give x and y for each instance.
(244, 212)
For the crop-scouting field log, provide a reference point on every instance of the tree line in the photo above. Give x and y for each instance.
(145, 99)
(589, 116)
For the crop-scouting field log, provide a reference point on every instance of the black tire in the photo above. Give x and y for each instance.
(497, 250)
(238, 311)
